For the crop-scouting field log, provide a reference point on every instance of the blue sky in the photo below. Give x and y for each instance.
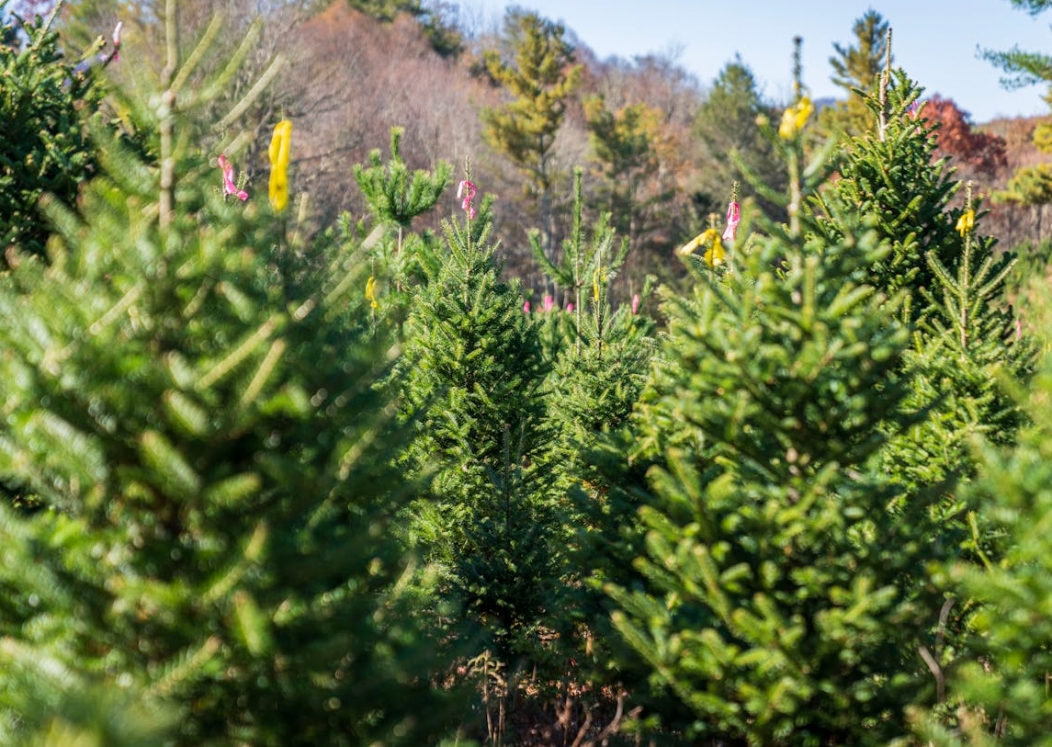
(936, 41)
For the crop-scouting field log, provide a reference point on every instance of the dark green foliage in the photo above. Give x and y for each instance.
(584, 266)
(954, 285)
(772, 527)
(601, 360)
(395, 196)
(731, 140)
(970, 320)
(889, 175)
(44, 146)
(212, 455)
(474, 371)
(601, 354)
(782, 602)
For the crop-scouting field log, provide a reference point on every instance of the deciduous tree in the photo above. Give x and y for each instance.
(977, 153)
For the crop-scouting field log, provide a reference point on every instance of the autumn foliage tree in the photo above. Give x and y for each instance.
(956, 137)
(628, 146)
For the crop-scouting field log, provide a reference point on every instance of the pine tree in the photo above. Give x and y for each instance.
(600, 352)
(394, 196)
(601, 356)
(726, 127)
(213, 455)
(541, 79)
(626, 146)
(856, 69)
(783, 603)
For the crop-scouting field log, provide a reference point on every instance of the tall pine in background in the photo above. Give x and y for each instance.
(540, 75)
(856, 69)
(731, 141)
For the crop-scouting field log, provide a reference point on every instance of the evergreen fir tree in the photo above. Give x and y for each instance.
(601, 357)
(783, 603)
(889, 174)
(965, 359)
(600, 353)
(396, 196)
(997, 691)
(600, 367)
(954, 284)
(473, 385)
(214, 458)
(45, 147)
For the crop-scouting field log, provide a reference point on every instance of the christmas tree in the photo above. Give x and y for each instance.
(473, 389)
(783, 602)
(213, 462)
(45, 147)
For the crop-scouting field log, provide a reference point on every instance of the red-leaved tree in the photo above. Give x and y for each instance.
(974, 152)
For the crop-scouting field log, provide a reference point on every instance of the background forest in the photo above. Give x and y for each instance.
(654, 140)
(362, 384)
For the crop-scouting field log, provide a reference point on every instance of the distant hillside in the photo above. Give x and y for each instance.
(1014, 224)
